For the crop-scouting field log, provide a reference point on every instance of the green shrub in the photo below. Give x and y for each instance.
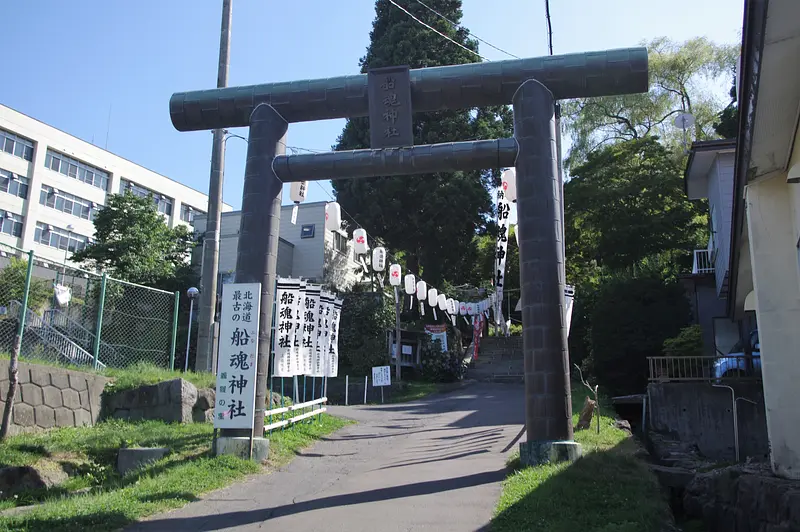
(688, 343)
(441, 366)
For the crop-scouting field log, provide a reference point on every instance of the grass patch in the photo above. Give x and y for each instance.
(607, 490)
(143, 374)
(115, 501)
(413, 390)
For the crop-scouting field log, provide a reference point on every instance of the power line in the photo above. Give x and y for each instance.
(401, 8)
(457, 25)
(549, 26)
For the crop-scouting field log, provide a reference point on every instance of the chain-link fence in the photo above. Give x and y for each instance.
(77, 317)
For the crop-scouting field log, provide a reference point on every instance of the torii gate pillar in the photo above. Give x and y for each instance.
(548, 405)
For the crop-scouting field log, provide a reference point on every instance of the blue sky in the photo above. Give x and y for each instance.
(69, 63)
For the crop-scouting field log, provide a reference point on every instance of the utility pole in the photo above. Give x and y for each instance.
(208, 292)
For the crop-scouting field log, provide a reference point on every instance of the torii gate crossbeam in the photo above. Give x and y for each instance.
(532, 86)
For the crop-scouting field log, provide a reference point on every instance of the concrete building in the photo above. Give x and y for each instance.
(305, 250)
(756, 216)
(53, 184)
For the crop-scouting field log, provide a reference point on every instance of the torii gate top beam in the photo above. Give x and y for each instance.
(583, 75)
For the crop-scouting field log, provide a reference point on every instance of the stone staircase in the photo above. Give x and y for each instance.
(500, 360)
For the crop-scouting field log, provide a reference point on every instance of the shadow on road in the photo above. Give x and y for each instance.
(231, 519)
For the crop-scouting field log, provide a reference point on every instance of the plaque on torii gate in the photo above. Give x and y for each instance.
(532, 86)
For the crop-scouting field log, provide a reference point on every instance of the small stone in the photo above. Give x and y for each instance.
(132, 459)
(623, 424)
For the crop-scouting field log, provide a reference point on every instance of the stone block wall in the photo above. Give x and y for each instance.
(176, 400)
(50, 397)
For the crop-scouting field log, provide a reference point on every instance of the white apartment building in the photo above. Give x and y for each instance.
(53, 184)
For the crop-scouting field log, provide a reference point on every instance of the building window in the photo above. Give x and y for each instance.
(163, 203)
(188, 213)
(56, 237)
(13, 184)
(75, 169)
(339, 242)
(61, 201)
(16, 145)
(307, 231)
(11, 223)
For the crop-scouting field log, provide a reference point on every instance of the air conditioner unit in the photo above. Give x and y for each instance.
(8, 215)
(56, 191)
(48, 227)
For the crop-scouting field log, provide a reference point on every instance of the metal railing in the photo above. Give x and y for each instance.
(703, 262)
(78, 333)
(703, 369)
(66, 349)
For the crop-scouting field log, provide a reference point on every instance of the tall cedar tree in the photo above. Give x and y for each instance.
(431, 218)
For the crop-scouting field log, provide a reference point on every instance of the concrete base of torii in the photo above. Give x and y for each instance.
(534, 453)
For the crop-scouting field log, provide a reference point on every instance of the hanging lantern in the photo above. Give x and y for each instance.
(509, 178)
(441, 300)
(394, 274)
(360, 245)
(452, 308)
(379, 259)
(333, 216)
(422, 290)
(410, 284)
(432, 295)
(297, 192)
(462, 307)
(471, 309)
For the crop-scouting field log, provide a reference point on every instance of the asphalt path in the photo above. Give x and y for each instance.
(435, 464)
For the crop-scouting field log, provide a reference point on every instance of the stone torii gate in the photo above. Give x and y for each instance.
(531, 85)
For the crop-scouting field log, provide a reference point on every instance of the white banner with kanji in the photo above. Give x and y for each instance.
(503, 211)
(286, 310)
(309, 344)
(332, 365)
(235, 399)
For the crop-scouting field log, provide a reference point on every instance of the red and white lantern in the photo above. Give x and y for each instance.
(395, 272)
(360, 245)
(509, 177)
(333, 216)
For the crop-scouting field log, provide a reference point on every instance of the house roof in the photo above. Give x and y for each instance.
(701, 156)
(769, 99)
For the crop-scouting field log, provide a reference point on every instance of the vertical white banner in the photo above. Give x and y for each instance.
(310, 308)
(285, 310)
(333, 341)
(321, 362)
(234, 405)
(503, 210)
(299, 322)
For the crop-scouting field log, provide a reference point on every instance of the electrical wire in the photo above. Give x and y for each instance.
(407, 12)
(457, 25)
(549, 26)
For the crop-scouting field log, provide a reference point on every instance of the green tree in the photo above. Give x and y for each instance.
(680, 77)
(366, 316)
(626, 204)
(12, 285)
(133, 243)
(631, 319)
(432, 218)
(727, 125)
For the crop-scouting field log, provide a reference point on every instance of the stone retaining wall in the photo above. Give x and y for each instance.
(744, 499)
(50, 397)
(173, 401)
